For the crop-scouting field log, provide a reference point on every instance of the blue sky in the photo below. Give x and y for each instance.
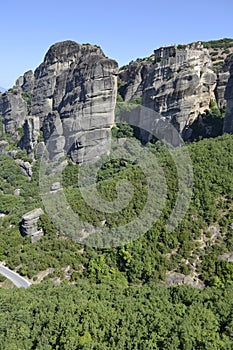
(124, 29)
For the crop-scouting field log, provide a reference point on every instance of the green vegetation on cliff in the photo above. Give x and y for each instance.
(193, 248)
(219, 44)
(117, 297)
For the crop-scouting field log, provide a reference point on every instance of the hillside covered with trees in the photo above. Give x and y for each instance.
(160, 290)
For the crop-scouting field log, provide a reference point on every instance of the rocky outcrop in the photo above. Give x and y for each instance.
(70, 97)
(174, 279)
(26, 168)
(31, 134)
(181, 93)
(222, 80)
(74, 97)
(13, 109)
(179, 87)
(226, 257)
(3, 147)
(228, 120)
(132, 79)
(29, 224)
(26, 82)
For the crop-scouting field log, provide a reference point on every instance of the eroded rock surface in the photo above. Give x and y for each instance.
(29, 225)
(181, 92)
(13, 109)
(70, 98)
(228, 120)
(74, 98)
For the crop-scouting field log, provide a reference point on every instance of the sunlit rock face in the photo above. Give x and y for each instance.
(74, 97)
(228, 120)
(70, 98)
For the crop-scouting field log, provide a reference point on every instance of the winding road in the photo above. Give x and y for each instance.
(14, 277)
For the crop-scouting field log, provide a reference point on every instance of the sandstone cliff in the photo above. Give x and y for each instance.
(70, 97)
(69, 100)
(228, 121)
(13, 108)
(180, 85)
(132, 79)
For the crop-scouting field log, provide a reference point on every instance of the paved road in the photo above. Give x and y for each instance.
(14, 277)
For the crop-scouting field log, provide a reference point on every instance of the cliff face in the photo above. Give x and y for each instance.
(13, 108)
(181, 98)
(72, 99)
(228, 120)
(132, 79)
(179, 87)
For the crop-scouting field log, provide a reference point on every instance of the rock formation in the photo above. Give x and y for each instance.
(132, 79)
(26, 82)
(3, 147)
(228, 120)
(29, 224)
(26, 168)
(70, 97)
(74, 97)
(174, 279)
(222, 80)
(13, 109)
(31, 134)
(179, 86)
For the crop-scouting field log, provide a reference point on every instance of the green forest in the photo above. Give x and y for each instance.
(118, 298)
(113, 316)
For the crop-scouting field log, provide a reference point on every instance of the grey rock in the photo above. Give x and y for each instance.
(181, 98)
(56, 186)
(36, 237)
(17, 192)
(222, 80)
(228, 120)
(29, 224)
(3, 146)
(31, 134)
(40, 148)
(179, 88)
(13, 109)
(26, 168)
(74, 97)
(132, 78)
(26, 82)
(12, 153)
(226, 257)
(175, 278)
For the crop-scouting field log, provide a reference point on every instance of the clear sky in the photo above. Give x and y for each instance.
(124, 29)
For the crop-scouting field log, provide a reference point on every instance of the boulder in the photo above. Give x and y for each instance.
(226, 257)
(3, 146)
(29, 224)
(174, 279)
(26, 168)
